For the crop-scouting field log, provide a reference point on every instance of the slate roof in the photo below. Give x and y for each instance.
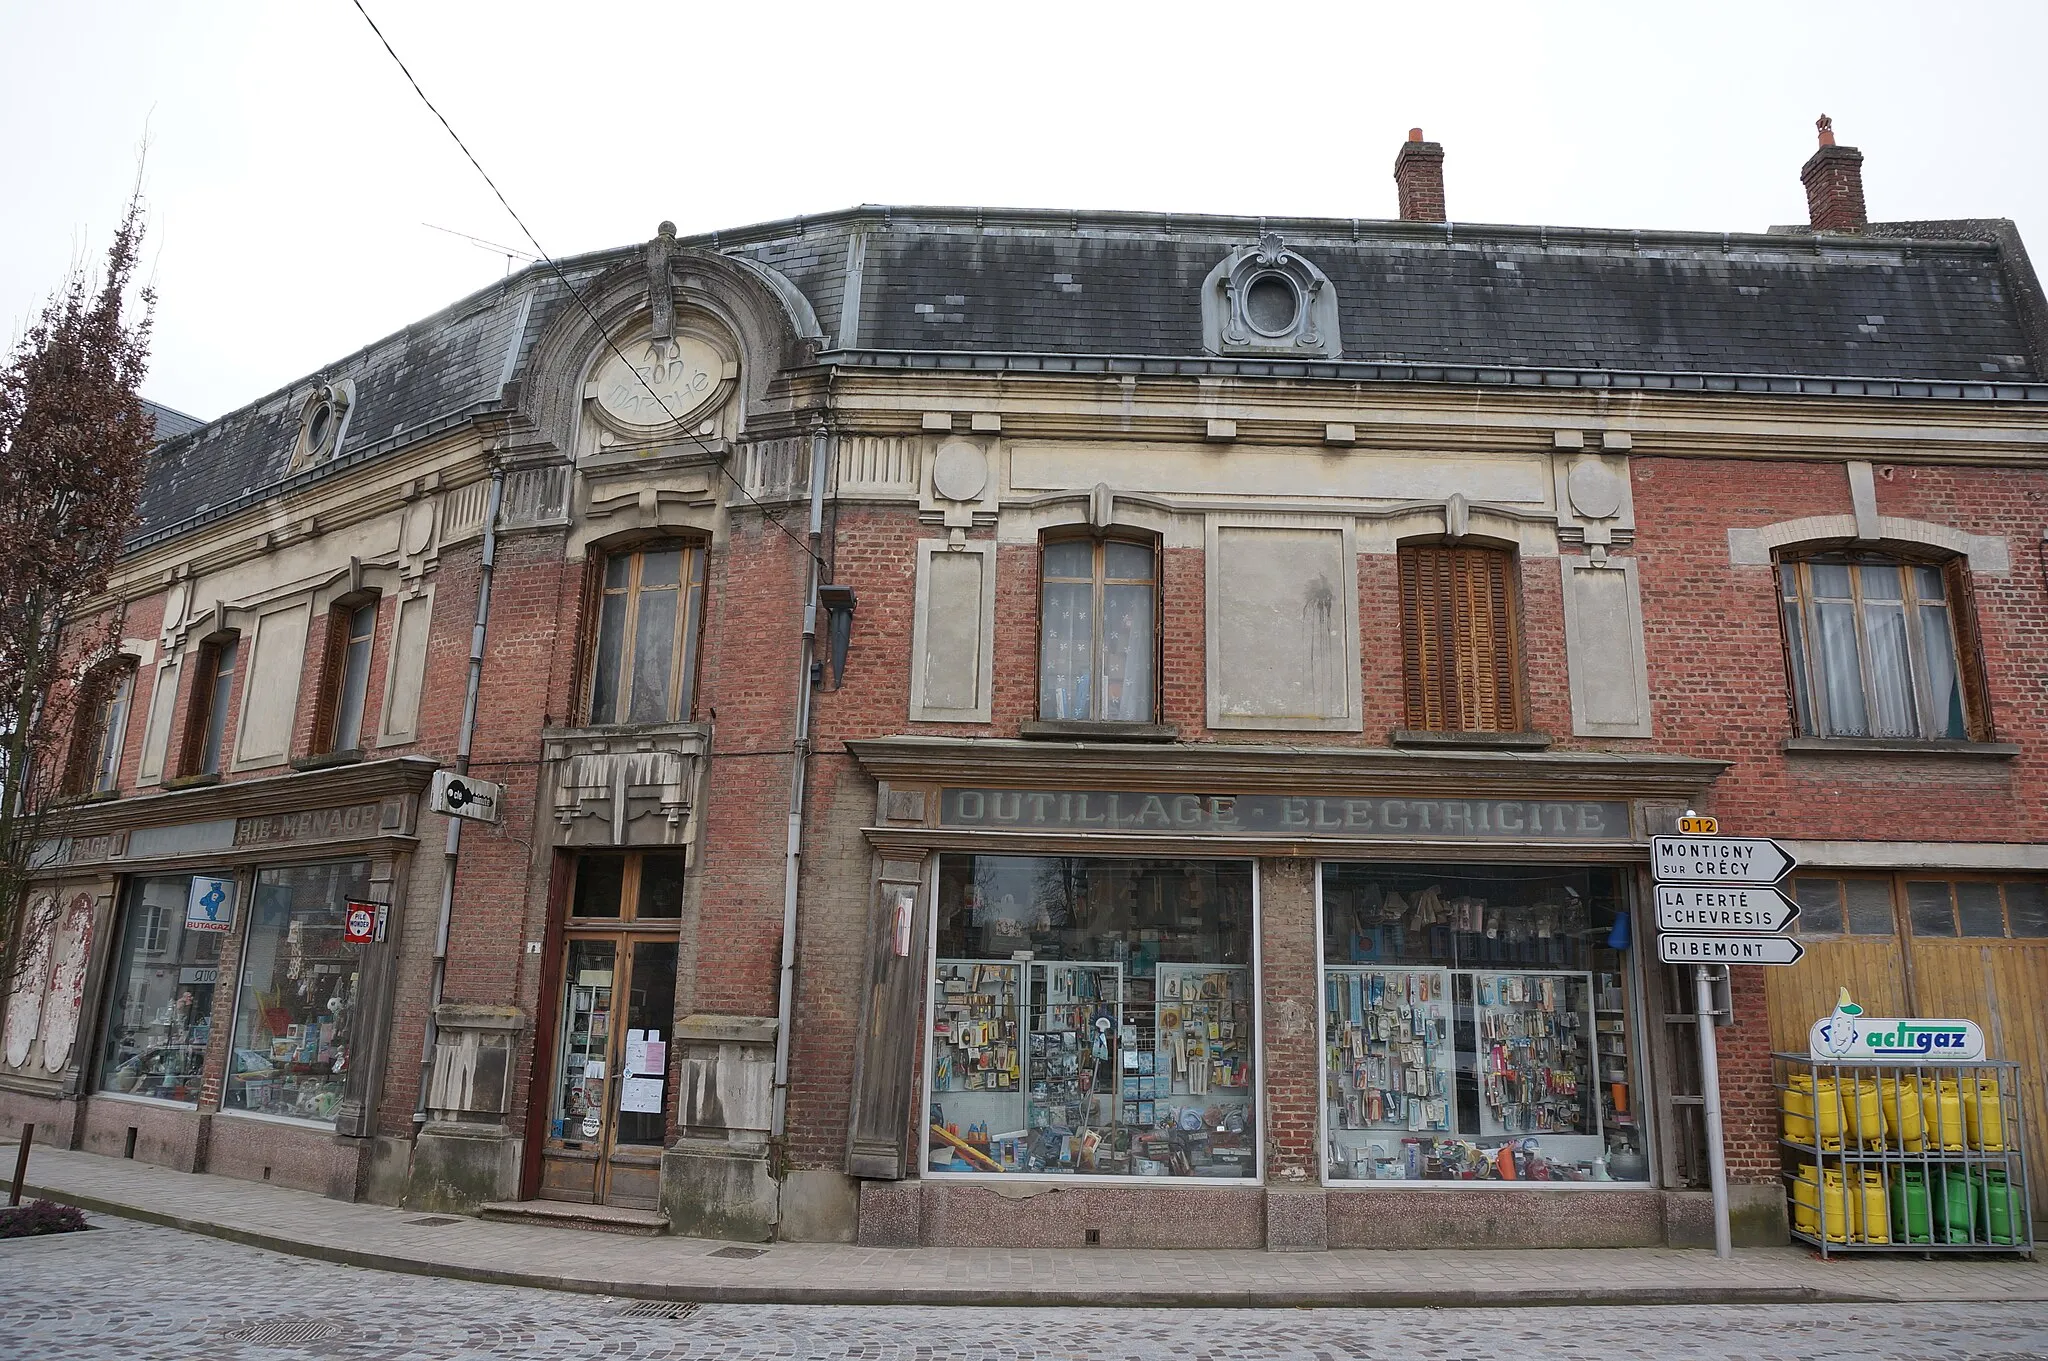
(1429, 301)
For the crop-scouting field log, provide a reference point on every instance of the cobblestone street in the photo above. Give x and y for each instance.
(137, 1292)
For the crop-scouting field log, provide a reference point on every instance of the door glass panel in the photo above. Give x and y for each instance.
(1928, 904)
(650, 1015)
(600, 880)
(661, 887)
(2028, 905)
(1870, 907)
(1820, 906)
(580, 1067)
(1978, 908)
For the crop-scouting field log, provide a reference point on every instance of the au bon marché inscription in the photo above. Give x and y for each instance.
(1014, 810)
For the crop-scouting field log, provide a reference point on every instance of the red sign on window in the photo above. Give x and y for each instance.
(359, 926)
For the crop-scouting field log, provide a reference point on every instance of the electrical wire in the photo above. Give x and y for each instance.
(575, 292)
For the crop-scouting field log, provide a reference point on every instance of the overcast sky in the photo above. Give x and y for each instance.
(290, 168)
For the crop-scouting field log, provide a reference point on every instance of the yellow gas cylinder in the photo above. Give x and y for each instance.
(1813, 1108)
(1941, 1107)
(1806, 1199)
(1902, 1120)
(1866, 1114)
(1837, 1210)
(1984, 1114)
(1873, 1218)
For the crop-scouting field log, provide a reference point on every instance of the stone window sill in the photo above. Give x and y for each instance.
(192, 781)
(1896, 746)
(1480, 741)
(349, 757)
(1057, 730)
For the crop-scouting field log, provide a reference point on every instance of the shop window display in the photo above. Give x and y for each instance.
(160, 1004)
(1092, 1017)
(1475, 1025)
(295, 1015)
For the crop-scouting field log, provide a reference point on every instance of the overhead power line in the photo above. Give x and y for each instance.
(575, 292)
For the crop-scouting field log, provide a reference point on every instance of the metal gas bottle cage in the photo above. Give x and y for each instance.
(1904, 1157)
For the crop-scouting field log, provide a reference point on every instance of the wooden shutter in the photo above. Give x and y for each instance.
(334, 660)
(1962, 622)
(1458, 639)
(198, 703)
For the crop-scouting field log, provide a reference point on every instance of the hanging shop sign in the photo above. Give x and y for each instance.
(1847, 1035)
(1719, 860)
(1070, 810)
(363, 923)
(465, 796)
(1723, 907)
(210, 905)
(1729, 949)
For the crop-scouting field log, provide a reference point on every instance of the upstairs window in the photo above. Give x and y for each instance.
(206, 723)
(1458, 642)
(1873, 646)
(650, 612)
(94, 764)
(345, 676)
(1098, 636)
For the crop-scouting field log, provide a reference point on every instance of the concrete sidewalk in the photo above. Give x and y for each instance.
(696, 1269)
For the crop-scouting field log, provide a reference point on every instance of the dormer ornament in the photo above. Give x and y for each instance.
(1269, 300)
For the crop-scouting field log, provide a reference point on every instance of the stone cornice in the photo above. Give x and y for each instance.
(335, 785)
(1281, 768)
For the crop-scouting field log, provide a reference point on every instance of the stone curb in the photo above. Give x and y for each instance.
(964, 1297)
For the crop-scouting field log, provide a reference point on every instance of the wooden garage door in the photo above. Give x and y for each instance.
(1975, 947)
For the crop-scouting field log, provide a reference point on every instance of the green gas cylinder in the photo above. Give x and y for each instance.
(1910, 1220)
(1998, 1205)
(1953, 1206)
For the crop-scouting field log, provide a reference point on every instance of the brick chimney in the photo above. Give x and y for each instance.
(1834, 184)
(1419, 175)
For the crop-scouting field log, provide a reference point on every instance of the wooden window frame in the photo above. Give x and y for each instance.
(687, 655)
(1445, 704)
(334, 657)
(633, 864)
(1098, 581)
(1804, 693)
(199, 706)
(96, 734)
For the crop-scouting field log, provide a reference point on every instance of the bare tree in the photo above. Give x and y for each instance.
(74, 447)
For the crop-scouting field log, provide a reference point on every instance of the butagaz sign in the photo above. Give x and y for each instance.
(1284, 815)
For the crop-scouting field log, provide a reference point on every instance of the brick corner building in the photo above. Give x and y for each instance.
(1166, 712)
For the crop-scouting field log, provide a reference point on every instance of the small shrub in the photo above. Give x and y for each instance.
(40, 1216)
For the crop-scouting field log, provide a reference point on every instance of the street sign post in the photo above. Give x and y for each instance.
(1716, 906)
(1723, 907)
(1718, 860)
(1674, 949)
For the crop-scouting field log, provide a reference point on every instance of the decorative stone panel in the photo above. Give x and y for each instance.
(624, 786)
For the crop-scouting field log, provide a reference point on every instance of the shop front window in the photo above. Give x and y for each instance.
(1093, 1017)
(295, 1015)
(1475, 1026)
(160, 1002)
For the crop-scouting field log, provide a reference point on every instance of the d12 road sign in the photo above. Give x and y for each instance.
(1728, 950)
(1723, 907)
(1718, 860)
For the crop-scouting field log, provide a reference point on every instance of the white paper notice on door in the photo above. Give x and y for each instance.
(636, 1052)
(641, 1095)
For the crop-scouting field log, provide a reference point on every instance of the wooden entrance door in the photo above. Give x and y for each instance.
(608, 1090)
(1935, 945)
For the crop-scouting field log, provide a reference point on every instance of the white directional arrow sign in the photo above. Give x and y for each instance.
(1728, 950)
(1723, 907)
(1718, 860)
